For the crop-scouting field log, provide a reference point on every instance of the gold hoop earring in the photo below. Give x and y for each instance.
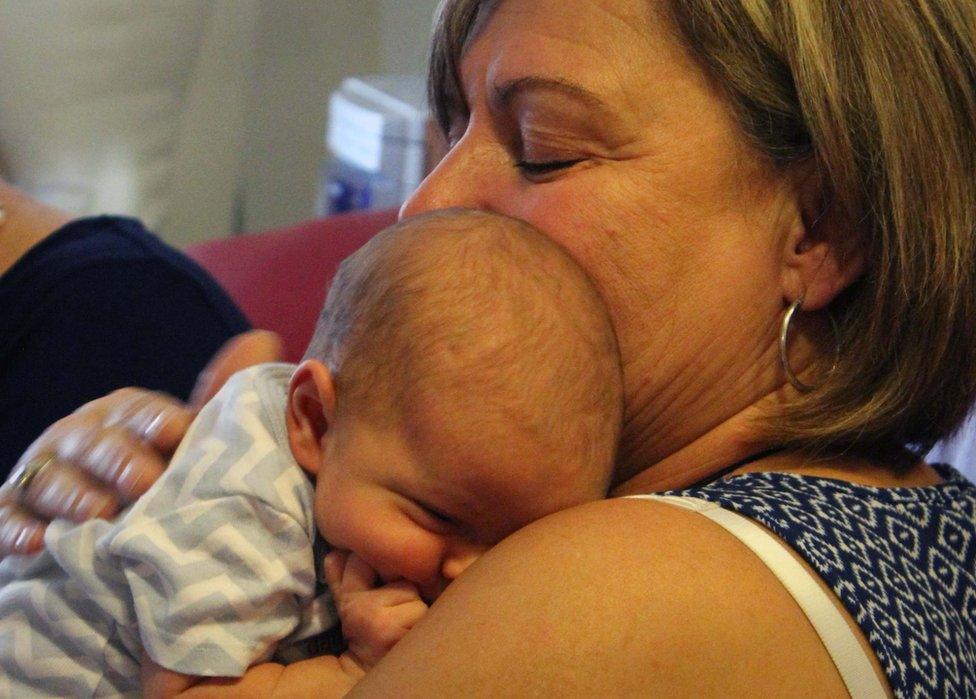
(784, 359)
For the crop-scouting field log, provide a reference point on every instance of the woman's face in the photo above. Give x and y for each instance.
(588, 119)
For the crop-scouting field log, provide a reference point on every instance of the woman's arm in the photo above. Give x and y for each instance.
(620, 597)
(321, 677)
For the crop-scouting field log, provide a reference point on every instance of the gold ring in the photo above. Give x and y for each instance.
(24, 475)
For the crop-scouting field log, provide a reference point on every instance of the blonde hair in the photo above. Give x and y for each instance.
(878, 97)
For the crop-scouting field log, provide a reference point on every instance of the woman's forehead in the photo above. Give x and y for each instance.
(610, 47)
(574, 15)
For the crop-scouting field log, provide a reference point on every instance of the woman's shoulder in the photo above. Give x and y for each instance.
(97, 240)
(109, 261)
(901, 560)
(622, 596)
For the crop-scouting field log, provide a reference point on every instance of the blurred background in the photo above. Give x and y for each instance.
(203, 117)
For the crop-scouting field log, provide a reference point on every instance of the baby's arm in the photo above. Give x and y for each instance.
(159, 683)
(325, 677)
(373, 618)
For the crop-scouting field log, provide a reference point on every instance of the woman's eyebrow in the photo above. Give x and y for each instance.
(503, 94)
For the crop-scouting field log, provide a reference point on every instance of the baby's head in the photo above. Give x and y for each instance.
(462, 382)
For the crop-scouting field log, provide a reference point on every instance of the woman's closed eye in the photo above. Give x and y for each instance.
(544, 167)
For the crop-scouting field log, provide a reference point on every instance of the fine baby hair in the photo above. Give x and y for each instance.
(482, 315)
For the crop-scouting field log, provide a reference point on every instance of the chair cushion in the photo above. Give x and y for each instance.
(279, 278)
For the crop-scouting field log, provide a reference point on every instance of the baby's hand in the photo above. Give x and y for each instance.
(373, 618)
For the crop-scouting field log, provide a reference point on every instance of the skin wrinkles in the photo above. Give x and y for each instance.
(548, 110)
(502, 95)
(592, 76)
(665, 229)
(608, 69)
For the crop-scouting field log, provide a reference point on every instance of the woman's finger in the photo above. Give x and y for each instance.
(63, 490)
(247, 349)
(157, 419)
(94, 467)
(46, 485)
(113, 458)
(110, 450)
(20, 533)
(53, 489)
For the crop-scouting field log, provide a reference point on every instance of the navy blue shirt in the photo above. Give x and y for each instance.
(98, 305)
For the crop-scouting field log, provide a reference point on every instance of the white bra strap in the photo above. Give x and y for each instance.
(845, 650)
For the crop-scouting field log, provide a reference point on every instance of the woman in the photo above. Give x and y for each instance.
(777, 202)
(67, 331)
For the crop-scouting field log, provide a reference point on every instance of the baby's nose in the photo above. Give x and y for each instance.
(461, 555)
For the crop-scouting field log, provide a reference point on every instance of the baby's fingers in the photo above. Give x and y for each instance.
(395, 594)
(373, 628)
(355, 576)
(406, 613)
(333, 567)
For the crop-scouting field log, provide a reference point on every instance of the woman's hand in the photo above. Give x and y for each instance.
(108, 452)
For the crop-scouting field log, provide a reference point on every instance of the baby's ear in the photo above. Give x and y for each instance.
(311, 412)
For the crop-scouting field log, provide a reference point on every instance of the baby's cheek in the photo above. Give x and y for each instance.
(420, 559)
(381, 534)
(398, 548)
(338, 520)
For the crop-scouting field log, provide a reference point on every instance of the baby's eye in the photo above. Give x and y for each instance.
(438, 516)
(428, 516)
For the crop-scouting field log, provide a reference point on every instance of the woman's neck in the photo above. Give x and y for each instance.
(729, 442)
(734, 441)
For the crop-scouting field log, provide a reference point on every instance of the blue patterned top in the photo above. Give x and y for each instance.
(902, 561)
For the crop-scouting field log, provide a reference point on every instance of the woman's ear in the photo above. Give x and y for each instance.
(822, 254)
(311, 412)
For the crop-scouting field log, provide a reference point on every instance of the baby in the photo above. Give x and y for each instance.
(463, 381)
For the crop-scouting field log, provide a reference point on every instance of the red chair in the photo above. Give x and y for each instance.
(279, 278)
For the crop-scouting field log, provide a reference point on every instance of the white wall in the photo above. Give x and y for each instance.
(303, 51)
(205, 191)
(91, 97)
(404, 32)
(202, 116)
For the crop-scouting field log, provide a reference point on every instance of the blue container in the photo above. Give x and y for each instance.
(376, 143)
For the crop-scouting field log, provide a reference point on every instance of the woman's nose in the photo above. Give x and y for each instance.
(459, 557)
(465, 177)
